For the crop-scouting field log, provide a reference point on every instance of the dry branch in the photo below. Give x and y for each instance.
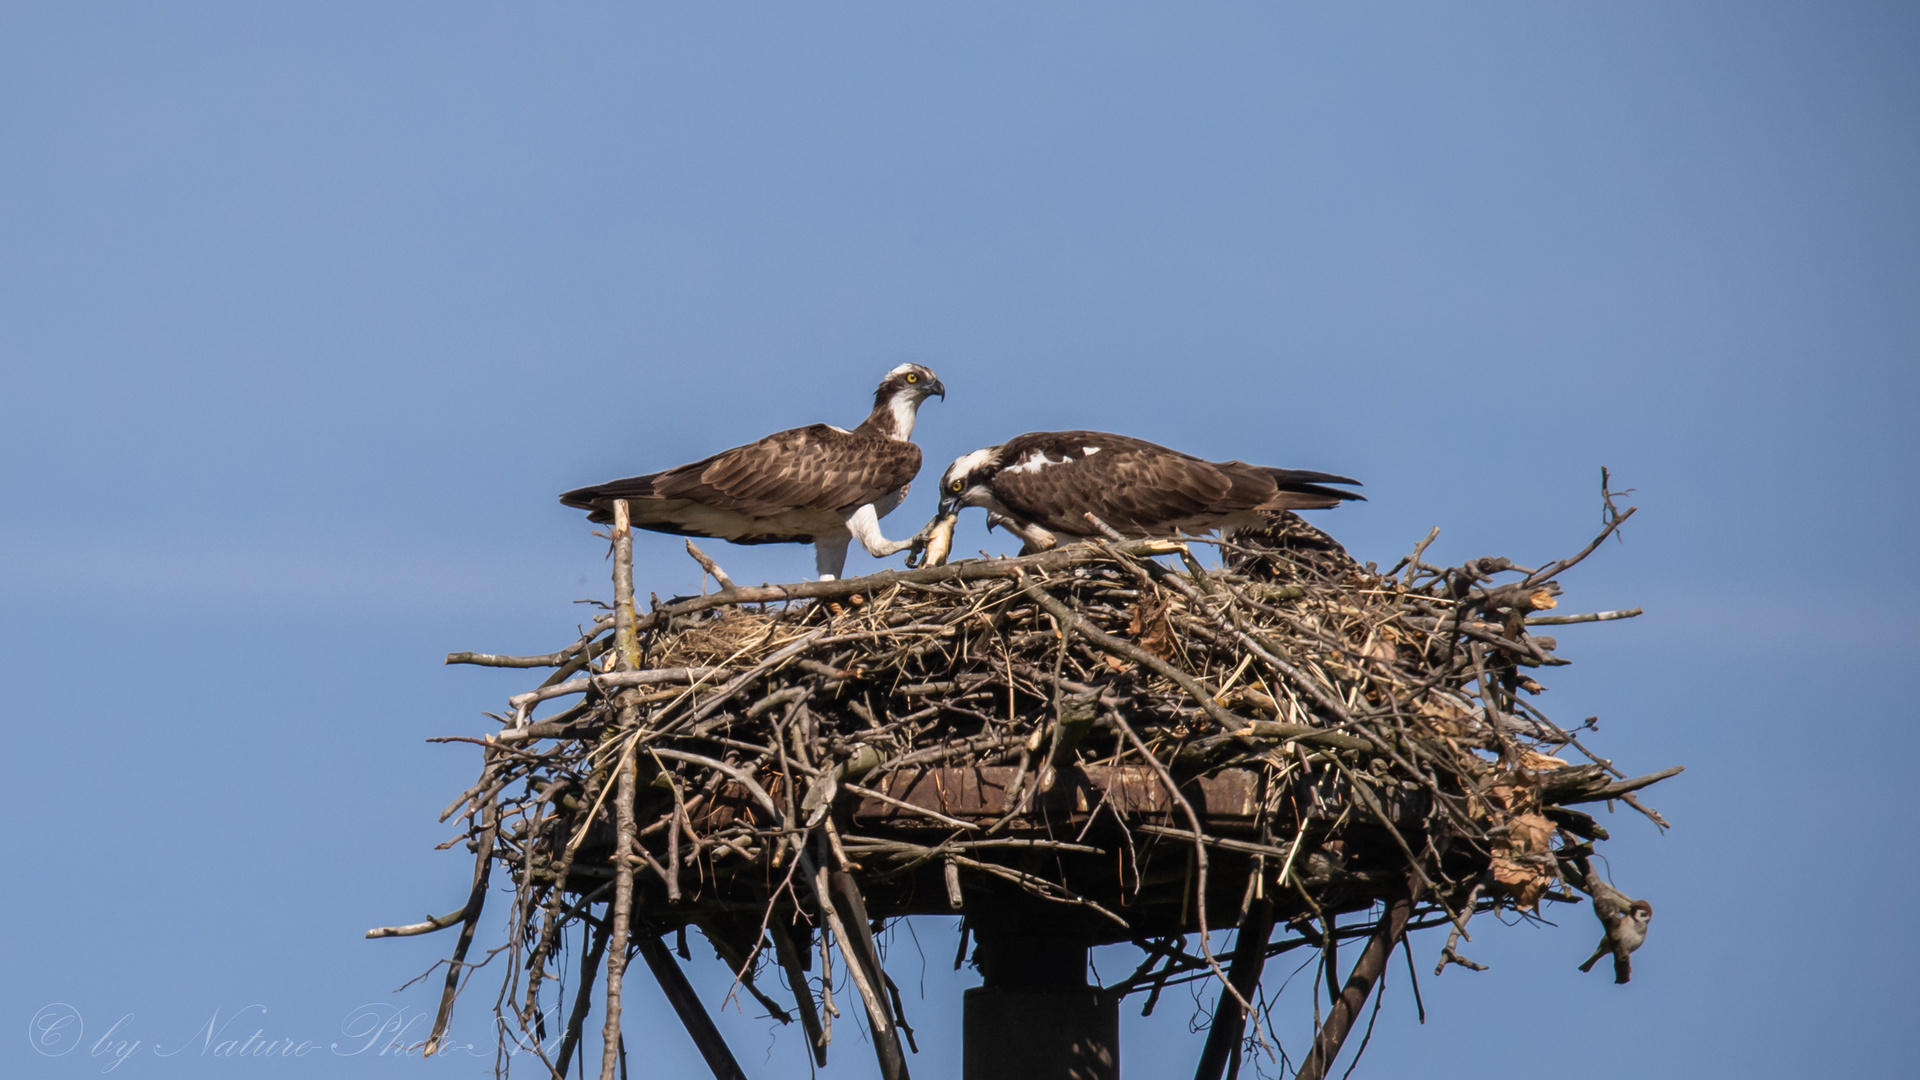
(1122, 749)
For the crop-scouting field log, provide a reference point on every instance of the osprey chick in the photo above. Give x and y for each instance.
(819, 484)
(1042, 485)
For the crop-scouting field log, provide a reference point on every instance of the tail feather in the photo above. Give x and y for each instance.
(1296, 477)
(598, 498)
(1303, 489)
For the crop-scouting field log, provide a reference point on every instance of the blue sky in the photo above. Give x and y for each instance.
(308, 311)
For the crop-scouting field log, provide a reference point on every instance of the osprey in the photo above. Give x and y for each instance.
(818, 485)
(1042, 485)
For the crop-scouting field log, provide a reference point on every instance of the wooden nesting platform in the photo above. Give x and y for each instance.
(1088, 745)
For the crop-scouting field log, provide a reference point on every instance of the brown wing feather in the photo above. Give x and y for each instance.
(1140, 488)
(1131, 484)
(810, 468)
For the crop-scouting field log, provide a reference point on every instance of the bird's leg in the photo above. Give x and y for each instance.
(865, 524)
(1037, 539)
(830, 556)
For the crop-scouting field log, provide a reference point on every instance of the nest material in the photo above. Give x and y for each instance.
(1089, 744)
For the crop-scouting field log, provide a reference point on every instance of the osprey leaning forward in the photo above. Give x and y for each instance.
(818, 485)
(1042, 485)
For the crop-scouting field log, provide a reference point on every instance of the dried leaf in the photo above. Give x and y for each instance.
(1523, 865)
(1521, 881)
(1538, 762)
(1511, 798)
(1530, 834)
(1447, 716)
(1150, 627)
(1382, 645)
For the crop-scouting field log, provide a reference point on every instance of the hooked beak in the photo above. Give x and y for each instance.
(937, 388)
(949, 506)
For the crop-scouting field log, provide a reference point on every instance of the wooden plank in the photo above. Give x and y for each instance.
(980, 793)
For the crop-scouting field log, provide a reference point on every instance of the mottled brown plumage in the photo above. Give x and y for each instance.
(1046, 482)
(803, 485)
(815, 468)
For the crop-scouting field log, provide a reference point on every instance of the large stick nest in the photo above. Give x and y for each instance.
(1102, 743)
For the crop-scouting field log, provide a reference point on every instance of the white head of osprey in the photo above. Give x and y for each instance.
(828, 486)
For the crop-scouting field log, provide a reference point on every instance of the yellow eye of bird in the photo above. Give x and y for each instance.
(956, 485)
(913, 378)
